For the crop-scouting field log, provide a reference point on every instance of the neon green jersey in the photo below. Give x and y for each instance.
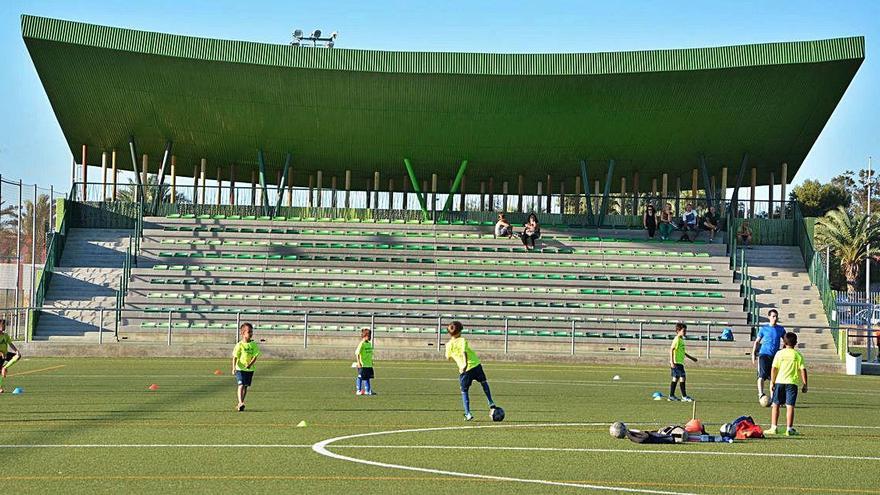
(458, 350)
(5, 340)
(789, 362)
(365, 352)
(243, 353)
(678, 345)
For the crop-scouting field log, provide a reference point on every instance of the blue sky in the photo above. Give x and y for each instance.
(32, 146)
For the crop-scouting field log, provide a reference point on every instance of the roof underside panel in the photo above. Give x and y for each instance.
(509, 115)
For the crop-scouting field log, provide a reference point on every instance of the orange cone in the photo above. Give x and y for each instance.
(218, 372)
(153, 387)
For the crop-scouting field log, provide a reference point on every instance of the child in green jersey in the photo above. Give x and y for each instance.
(787, 372)
(469, 367)
(676, 364)
(243, 358)
(7, 359)
(364, 355)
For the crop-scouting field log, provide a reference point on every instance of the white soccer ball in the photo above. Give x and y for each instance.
(764, 401)
(618, 430)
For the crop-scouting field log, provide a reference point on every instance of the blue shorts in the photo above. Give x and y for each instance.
(476, 373)
(785, 393)
(678, 371)
(765, 362)
(365, 373)
(244, 377)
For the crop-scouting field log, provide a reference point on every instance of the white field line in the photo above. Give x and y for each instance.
(596, 383)
(321, 448)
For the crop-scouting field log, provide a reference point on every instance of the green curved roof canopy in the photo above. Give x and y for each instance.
(507, 114)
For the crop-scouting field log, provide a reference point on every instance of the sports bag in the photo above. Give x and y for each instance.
(747, 428)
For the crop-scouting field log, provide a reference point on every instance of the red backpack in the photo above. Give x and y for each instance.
(748, 429)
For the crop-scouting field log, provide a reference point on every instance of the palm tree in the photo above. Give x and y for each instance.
(8, 226)
(27, 227)
(130, 192)
(848, 236)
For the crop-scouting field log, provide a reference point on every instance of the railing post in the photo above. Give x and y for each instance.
(708, 339)
(237, 326)
(101, 327)
(506, 335)
(306, 330)
(439, 325)
(169, 327)
(641, 328)
(373, 328)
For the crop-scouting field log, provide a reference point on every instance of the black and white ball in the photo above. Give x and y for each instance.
(618, 430)
(497, 414)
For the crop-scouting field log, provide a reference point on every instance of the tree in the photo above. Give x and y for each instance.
(817, 199)
(130, 194)
(848, 236)
(857, 189)
(27, 227)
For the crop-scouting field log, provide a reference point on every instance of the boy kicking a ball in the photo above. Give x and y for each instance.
(243, 358)
(7, 359)
(469, 367)
(676, 364)
(788, 372)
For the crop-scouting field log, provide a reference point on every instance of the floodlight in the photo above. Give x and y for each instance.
(316, 33)
(298, 33)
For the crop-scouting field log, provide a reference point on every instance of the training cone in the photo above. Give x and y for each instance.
(657, 396)
(302, 424)
(218, 372)
(615, 377)
(17, 391)
(153, 387)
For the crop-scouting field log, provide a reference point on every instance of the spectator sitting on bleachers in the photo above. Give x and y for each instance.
(531, 232)
(649, 220)
(503, 227)
(710, 222)
(688, 223)
(666, 225)
(744, 234)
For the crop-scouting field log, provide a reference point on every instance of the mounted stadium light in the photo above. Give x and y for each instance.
(316, 33)
(315, 38)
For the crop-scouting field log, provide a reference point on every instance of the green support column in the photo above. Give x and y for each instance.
(606, 193)
(710, 194)
(416, 188)
(281, 183)
(264, 194)
(586, 181)
(454, 190)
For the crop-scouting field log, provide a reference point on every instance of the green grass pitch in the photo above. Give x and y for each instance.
(91, 426)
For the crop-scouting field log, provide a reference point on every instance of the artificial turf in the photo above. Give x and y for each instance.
(199, 444)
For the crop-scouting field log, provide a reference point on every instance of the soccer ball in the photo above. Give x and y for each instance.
(618, 430)
(728, 430)
(764, 401)
(497, 414)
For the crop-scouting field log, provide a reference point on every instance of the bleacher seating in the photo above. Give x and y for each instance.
(400, 276)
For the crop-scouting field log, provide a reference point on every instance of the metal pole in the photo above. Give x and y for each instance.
(18, 261)
(306, 330)
(438, 333)
(827, 262)
(640, 338)
(237, 326)
(708, 339)
(169, 328)
(101, 327)
(506, 335)
(51, 209)
(572, 337)
(33, 248)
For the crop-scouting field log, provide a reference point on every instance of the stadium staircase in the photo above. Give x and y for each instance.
(87, 277)
(781, 281)
(201, 275)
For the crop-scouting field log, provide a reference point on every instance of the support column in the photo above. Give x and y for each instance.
(173, 179)
(752, 192)
(219, 185)
(376, 188)
(85, 173)
(113, 174)
(264, 193)
(311, 203)
(253, 188)
(622, 194)
(282, 178)
(707, 183)
(783, 181)
(549, 195)
(369, 193)
(504, 190)
(348, 188)
(608, 177)
(232, 184)
(635, 193)
(482, 195)
(677, 195)
(694, 187)
(416, 189)
(722, 199)
(390, 193)
(405, 194)
(577, 195)
(664, 188)
(145, 163)
(333, 203)
(770, 195)
(597, 197)
(204, 167)
(104, 176)
(734, 202)
(462, 198)
(520, 191)
(654, 187)
(491, 194)
(195, 198)
(290, 188)
(319, 189)
(434, 194)
(588, 201)
(539, 197)
(453, 189)
(562, 197)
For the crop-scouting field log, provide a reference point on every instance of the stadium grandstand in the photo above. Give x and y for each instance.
(317, 191)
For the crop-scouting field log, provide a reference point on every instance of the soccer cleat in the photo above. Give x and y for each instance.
(372, 392)
(468, 416)
(358, 392)
(241, 407)
(687, 398)
(672, 398)
(772, 431)
(791, 432)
